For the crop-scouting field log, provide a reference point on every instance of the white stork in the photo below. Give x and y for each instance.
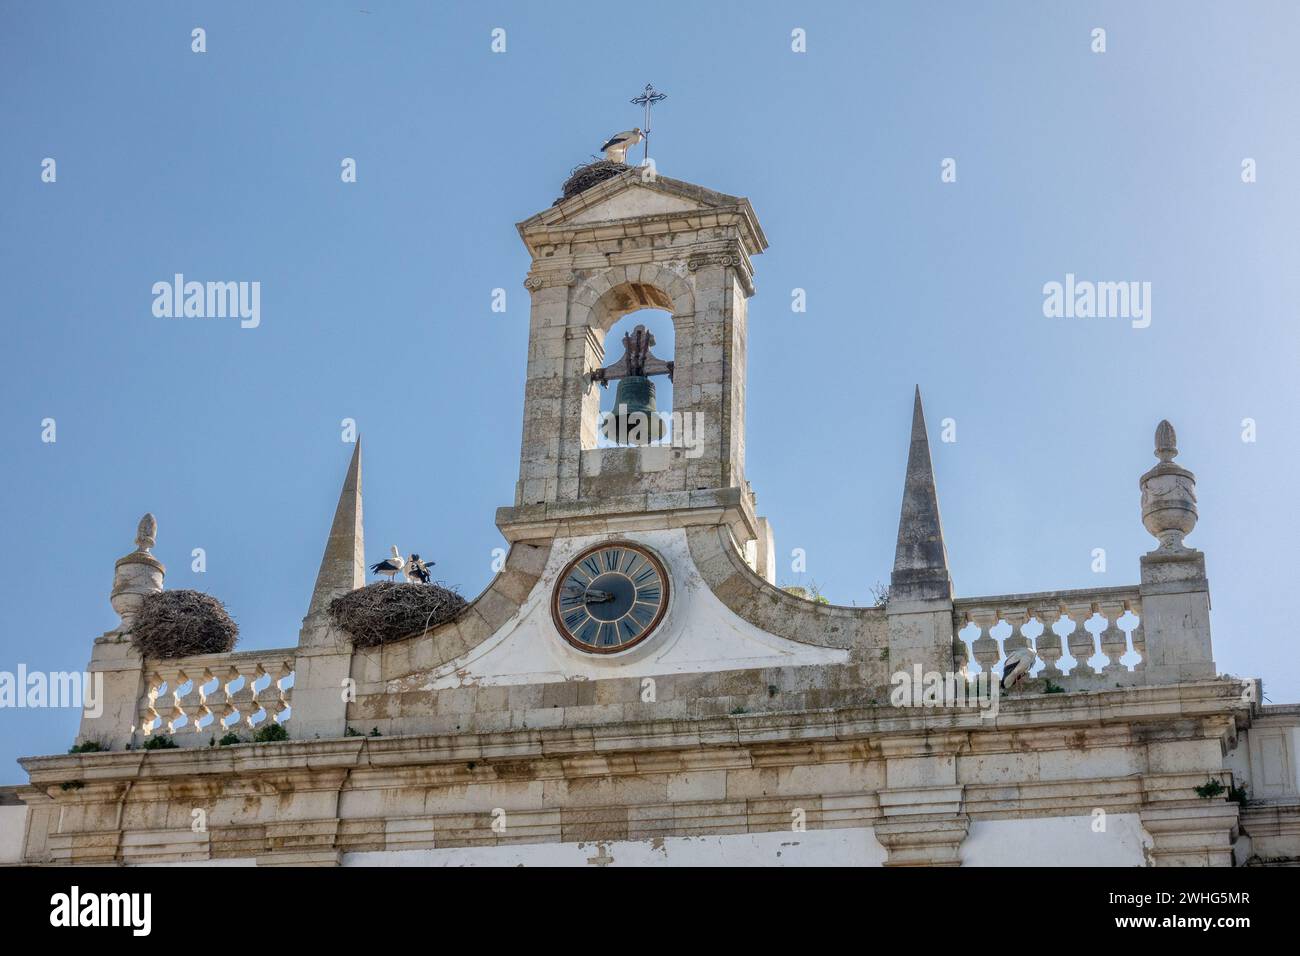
(1017, 666)
(616, 146)
(417, 570)
(390, 567)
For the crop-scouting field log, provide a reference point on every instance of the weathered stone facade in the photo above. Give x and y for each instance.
(753, 726)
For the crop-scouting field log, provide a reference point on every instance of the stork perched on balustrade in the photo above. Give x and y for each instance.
(1017, 667)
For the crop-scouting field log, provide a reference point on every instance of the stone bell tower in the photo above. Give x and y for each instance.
(620, 240)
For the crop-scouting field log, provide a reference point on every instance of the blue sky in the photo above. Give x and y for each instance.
(376, 296)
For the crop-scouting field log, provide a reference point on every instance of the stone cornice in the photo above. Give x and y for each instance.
(1045, 599)
(553, 226)
(1271, 819)
(918, 731)
(729, 507)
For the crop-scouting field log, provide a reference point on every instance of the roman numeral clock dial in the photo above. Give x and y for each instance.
(610, 598)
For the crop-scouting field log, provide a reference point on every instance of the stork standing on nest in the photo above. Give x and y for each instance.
(417, 570)
(616, 146)
(390, 567)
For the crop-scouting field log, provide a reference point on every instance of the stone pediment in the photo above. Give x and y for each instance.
(628, 204)
(635, 200)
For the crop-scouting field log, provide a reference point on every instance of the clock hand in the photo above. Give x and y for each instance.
(597, 597)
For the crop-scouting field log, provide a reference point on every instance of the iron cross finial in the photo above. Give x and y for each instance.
(649, 96)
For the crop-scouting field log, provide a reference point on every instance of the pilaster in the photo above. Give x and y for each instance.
(922, 826)
(1191, 835)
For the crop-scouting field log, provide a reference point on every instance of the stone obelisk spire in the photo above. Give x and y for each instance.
(920, 558)
(324, 651)
(343, 565)
(929, 824)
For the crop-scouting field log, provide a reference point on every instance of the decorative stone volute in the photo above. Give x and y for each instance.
(138, 574)
(1168, 494)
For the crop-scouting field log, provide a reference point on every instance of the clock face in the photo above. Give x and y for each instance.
(610, 597)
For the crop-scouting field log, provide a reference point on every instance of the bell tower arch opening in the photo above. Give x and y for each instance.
(623, 399)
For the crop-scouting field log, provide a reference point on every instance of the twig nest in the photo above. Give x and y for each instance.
(180, 623)
(592, 174)
(388, 611)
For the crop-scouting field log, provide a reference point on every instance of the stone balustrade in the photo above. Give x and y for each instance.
(1054, 624)
(194, 698)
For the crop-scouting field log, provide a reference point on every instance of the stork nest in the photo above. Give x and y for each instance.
(180, 623)
(386, 612)
(587, 175)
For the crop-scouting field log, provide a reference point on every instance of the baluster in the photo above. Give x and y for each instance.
(960, 655)
(290, 668)
(178, 694)
(1138, 636)
(166, 703)
(245, 699)
(986, 645)
(280, 700)
(151, 714)
(1016, 640)
(1049, 642)
(228, 699)
(191, 703)
(202, 710)
(255, 702)
(1114, 642)
(1081, 641)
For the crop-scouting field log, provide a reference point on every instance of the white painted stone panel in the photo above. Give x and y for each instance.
(698, 634)
(1056, 841)
(13, 827)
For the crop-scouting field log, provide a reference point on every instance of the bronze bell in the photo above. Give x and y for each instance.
(635, 419)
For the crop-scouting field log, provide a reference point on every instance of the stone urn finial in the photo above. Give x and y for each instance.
(1168, 494)
(137, 574)
(1166, 443)
(146, 533)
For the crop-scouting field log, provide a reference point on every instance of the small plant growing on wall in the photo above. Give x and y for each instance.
(87, 747)
(160, 742)
(1210, 789)
(270, 734)
(230, 739)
